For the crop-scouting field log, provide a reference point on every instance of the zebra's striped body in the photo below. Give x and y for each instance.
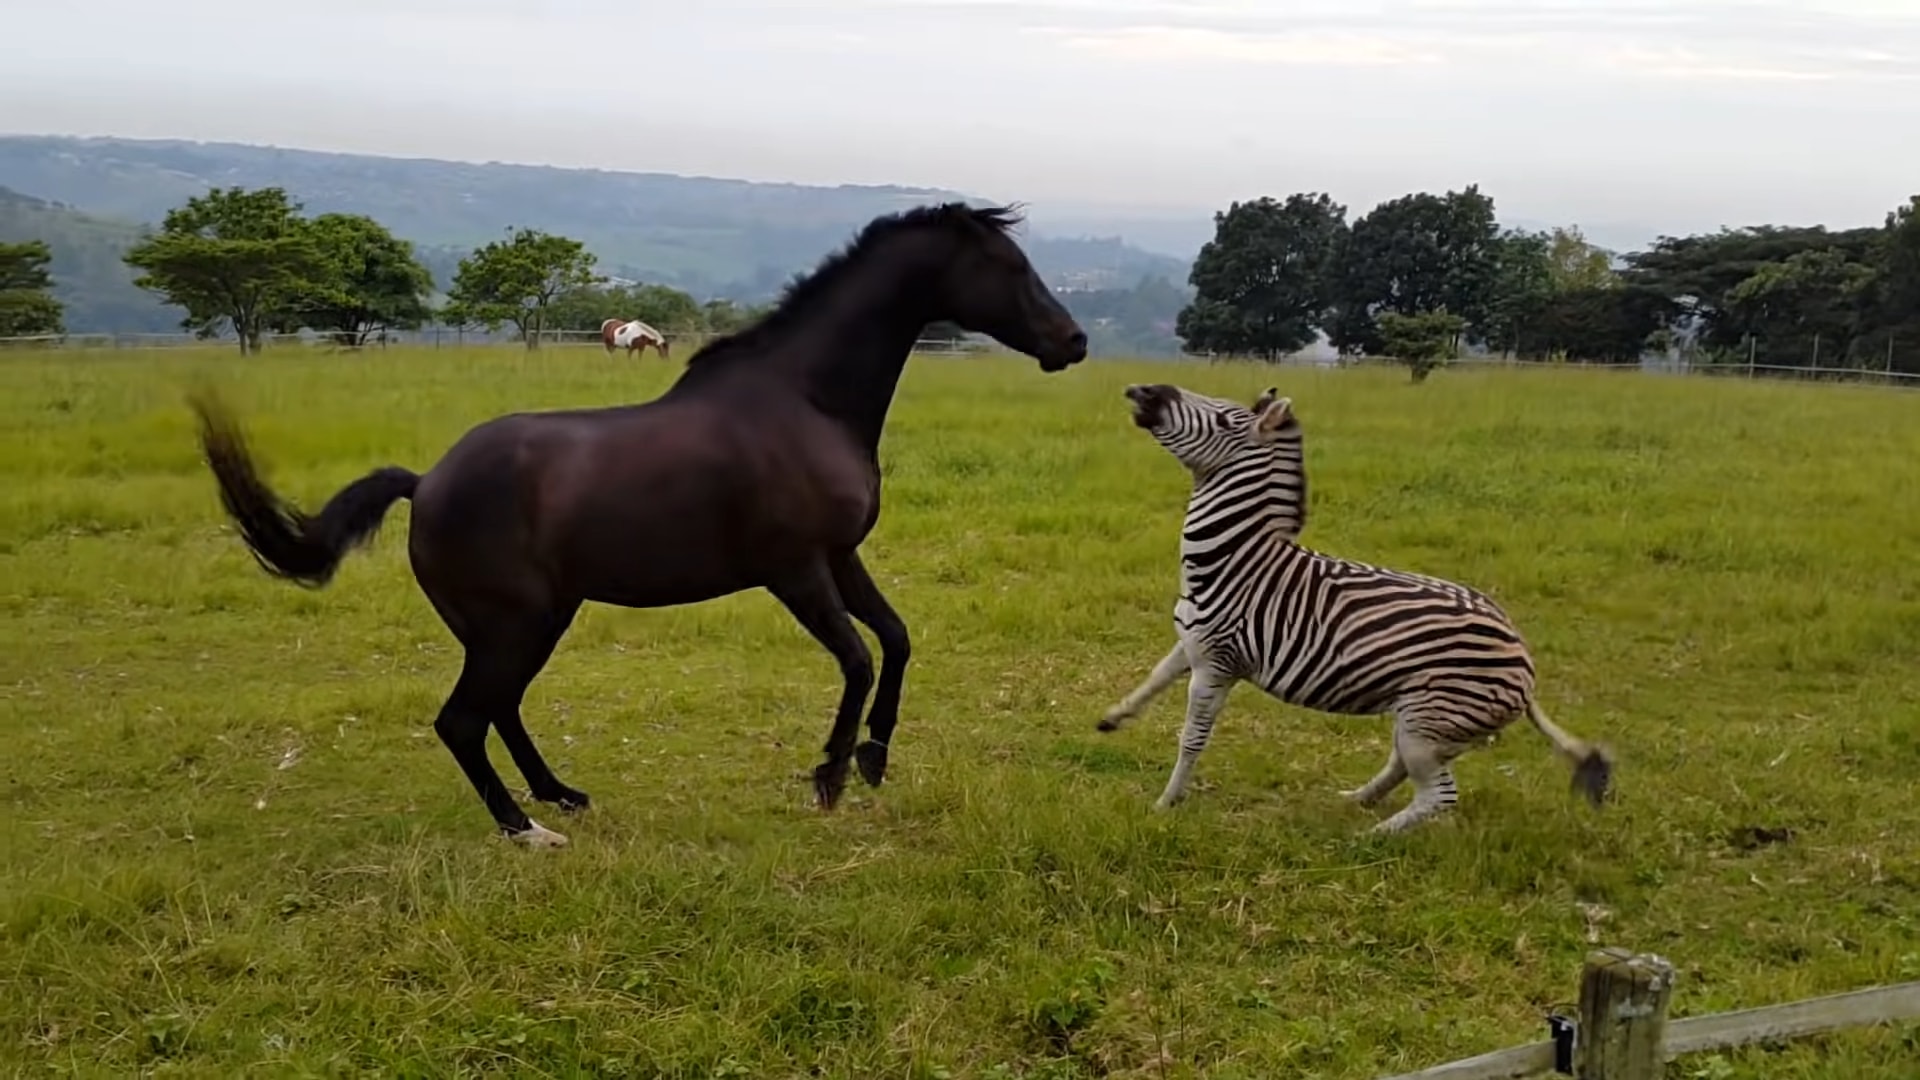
(1321, 632)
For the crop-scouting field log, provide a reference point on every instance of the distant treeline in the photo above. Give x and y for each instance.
(245, 263)
(1431, 274)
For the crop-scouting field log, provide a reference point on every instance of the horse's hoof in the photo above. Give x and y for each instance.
(537, 836)
(828, 783)
(567, 800)
(872, 759)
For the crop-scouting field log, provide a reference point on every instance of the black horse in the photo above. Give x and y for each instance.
(759, 467)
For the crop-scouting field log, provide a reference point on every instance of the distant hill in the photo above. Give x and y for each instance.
(709, 236)
(88, 275)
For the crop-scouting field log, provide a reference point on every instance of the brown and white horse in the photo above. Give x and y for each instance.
(632, 335)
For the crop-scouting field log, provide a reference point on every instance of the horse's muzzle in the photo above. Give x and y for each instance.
(1070, 351)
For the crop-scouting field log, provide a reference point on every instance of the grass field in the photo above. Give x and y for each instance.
(233, 843)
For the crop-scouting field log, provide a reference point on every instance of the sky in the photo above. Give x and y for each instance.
(1678, 115)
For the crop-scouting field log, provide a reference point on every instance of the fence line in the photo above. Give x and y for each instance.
(457, 337)
(1884, 376)
(428, 337)
(1622, 1031)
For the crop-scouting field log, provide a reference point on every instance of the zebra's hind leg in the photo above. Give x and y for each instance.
(1428, 760)
(1206, 694)
(1168, 669)
(1389, 777)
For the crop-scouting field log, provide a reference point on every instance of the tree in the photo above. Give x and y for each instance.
(1607, 324)
(231, 258)
(1573, 263)
(368, 281)
(516, 281)
(727, 316)
(1423, 341)
(1415, 254)
(1808, 304)
(1260, 285)
(1523, 285)
(1699, 273)
(1895, 336)
(27, 305)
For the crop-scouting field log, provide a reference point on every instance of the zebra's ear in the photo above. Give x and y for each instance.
(1267, 422)
(1265, 399)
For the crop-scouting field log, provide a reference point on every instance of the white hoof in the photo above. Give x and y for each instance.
(538, 836)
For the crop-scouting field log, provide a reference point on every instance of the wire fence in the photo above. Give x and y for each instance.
(451, 337)
(432, 337)
(1887, 375)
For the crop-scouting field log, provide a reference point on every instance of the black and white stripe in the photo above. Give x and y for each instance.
(1321, 632)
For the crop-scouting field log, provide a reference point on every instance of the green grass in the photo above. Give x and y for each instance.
(1719, 580)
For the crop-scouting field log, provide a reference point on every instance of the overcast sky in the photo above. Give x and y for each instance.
(1677, 114)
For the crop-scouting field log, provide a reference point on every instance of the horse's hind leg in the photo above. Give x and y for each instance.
(865, 602)
(504, 653)
(529, 652)
(810, 594)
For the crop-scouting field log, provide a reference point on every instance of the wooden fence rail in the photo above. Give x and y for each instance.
(1622, 1032)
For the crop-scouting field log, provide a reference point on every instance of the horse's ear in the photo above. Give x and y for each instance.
(1268, 421)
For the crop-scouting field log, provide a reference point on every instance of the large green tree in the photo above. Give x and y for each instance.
(27, 304)
(1810, 303)
(1699, 274)
(367, 281)
(1260, 285)
(1418, 253)
(233, 259)
(517, 280)
(1523, 285)
(1895, 337)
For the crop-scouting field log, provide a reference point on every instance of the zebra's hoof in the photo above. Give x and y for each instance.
(1111, 721)
(1360, 797)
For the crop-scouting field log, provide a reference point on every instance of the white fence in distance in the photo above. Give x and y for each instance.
(427, 337)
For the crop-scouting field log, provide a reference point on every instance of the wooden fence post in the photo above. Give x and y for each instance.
(1623, 1016)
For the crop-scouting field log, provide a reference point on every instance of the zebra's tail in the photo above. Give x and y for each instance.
(1592, 764)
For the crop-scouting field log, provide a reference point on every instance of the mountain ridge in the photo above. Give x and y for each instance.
(712, 236)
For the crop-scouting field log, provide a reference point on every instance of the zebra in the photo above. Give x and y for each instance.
(1321, 632)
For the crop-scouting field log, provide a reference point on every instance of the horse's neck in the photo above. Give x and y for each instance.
(858, 346)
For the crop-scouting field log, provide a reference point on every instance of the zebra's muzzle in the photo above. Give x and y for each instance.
(1149, 403)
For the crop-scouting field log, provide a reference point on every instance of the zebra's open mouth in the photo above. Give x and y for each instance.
(1149, 402)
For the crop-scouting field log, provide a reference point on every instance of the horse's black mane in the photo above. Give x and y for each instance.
(803, 291)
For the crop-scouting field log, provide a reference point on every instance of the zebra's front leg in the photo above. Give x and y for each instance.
(1170, 667)
(1206, 695)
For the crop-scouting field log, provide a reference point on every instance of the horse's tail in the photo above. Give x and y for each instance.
(286, 542)
(1592, 765)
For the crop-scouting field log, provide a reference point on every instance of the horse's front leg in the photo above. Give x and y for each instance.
(864, 602)
(810, 594)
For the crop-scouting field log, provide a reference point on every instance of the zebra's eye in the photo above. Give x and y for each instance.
(1221, 421)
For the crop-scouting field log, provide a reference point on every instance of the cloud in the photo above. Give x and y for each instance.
(1186, 44)
(1818, 42)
